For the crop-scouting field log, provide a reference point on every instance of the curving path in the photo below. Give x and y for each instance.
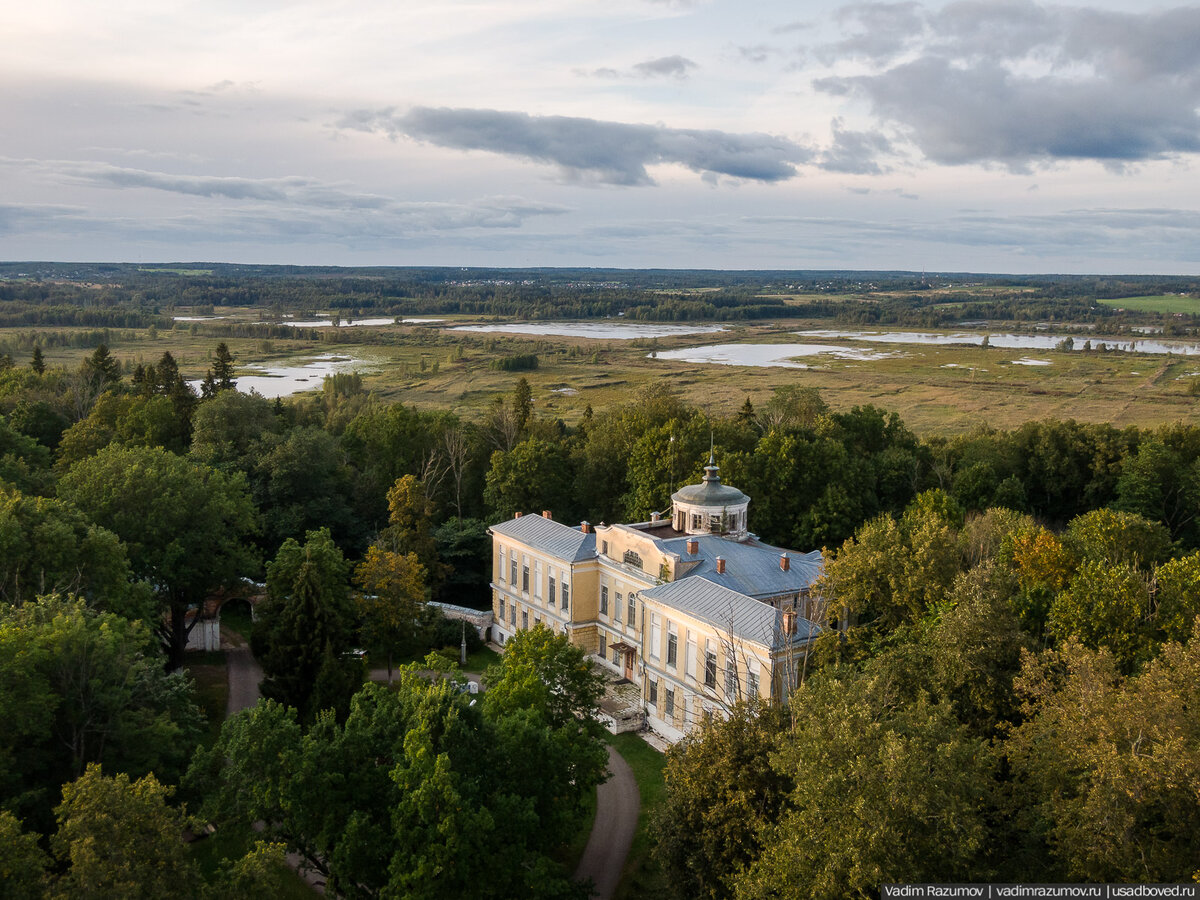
(617, 806)
(617, 799)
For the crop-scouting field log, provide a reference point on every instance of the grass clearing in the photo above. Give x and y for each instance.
(212, 690)
(935, 389)
(1161, 303)
(642, 876)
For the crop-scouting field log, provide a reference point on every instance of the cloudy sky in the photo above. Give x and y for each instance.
(979, 135)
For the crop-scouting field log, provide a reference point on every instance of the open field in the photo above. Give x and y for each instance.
(936, 389)
(1163, 303)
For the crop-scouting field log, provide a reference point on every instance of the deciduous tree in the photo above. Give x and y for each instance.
(183, 524)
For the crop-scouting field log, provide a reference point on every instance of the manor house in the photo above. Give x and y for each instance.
(690, 607)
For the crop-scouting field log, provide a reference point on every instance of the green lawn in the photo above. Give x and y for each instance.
(1165, 303)
(212, 689)
(235, 616)
(642, 876)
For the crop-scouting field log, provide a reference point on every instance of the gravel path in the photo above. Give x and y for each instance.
(617, 805)
(244, 673)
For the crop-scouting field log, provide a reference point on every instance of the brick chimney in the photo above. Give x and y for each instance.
(789, 621)
(517, 515)
(546, 514)
(585, 527)
(693, 547)
(720, 565)
(785, 562)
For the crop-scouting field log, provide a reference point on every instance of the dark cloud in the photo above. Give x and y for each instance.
(665, 66)
(1021, 83)
(855, 152)
(589, 149)
(789, 27)
(884, 30)
(757, 53)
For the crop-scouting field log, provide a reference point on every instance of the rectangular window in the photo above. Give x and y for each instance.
(632, 612)
(512, 578)
(503, 566)
(604, 548)
(731, 679)
(752, 678)
(616, 656)
(603, 600)
(690, 658)
(524, 619)
(525, 578)
(617, 607)
(501, 616)
(710, 666)
(512, 615)
(653, 692)
(697, 521)
(672, 645)
(670, 707)
(537, 579)
(550, 596)
(603, 645)
(566, 595)
(655, 636)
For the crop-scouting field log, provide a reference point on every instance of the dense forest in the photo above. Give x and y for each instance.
(1004, 690)
(116, 296)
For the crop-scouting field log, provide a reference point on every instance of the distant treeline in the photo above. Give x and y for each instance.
(128, 296)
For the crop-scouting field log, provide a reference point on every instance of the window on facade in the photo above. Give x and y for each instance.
(502, 566)
(632, 559)
(710, 668)
(731, 683)
(653, 692)
(616, 656)
(566, 594)
(632, 611)
(524, 619)
(501, 607)
(604, 548)
(551, 593)
(697, 521)
(690, 658)
(603, 645)
(672, 645)
(752, 679)
(670, 705)
(617, 607)
(603, 600)
(537, 579)
(513, 572)
(512, 615)
(655, 636)
(525, 579)
(714, 524)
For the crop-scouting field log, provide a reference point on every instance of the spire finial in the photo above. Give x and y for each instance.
(711, 460)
